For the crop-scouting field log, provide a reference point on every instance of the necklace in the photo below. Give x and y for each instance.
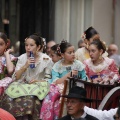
(99, 62)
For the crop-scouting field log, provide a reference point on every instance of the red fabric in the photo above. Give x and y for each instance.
(112, 67)
(1, 90)
(4, 115)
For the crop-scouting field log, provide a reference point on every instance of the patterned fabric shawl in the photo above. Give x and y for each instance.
(39, 89)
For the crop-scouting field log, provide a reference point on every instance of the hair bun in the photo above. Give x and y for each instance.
(63, 41)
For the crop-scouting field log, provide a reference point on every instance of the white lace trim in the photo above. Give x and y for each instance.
(104, 65)
(58, 67)
(38, 72)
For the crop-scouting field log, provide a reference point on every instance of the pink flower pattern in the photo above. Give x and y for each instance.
(50, 105)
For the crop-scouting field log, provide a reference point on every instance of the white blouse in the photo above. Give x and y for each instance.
(41, 71)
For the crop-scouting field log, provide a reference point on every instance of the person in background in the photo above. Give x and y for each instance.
(81, 44)
(113, 54)
(112, 49)
(75, 103)
(54, 54)
(7, 62)
(16, 49)
(88, 36)
(48, 46)
(99, 69)
(23, 96)
(117, 115)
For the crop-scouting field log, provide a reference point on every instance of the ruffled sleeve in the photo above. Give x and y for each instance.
(21, 61)
(56, 70)
(48, 70)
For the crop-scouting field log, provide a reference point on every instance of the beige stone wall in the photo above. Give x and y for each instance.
(72, 17)
(69, 20)
(117, 24)
(102, 19)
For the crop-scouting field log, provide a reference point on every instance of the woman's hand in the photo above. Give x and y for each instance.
(74, 73)
(34, 81)
(8, 51)
(29, 61)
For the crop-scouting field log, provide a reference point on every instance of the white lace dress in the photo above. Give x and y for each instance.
(42, 70)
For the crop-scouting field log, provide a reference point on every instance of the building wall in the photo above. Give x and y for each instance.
(102, 19)
(72, 17)
(117, 24)
(69, 20)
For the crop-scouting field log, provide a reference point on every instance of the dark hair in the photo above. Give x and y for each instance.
(90, 32)
(38, 40)
(64, 45)
(55, 49)
(100, 45)
(4, 37)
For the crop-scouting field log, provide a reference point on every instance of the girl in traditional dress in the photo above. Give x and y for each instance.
(23, 97)
(7, 61)
(100, 69)
(61, 70)
(88, 36)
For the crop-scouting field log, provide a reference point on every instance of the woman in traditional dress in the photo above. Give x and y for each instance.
(7, 62)
(61, 70)
(88, 36)
(100, 69)
(23, 97)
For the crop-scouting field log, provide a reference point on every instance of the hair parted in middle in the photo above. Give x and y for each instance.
(38, 40)
(99, 44)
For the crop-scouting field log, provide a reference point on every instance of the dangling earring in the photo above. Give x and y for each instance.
(37, 52)
(87, 45)
(100, 57)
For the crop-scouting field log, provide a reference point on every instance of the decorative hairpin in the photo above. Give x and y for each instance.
(44, 42)
(58, 50)
(26, 38)
(63, 41)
